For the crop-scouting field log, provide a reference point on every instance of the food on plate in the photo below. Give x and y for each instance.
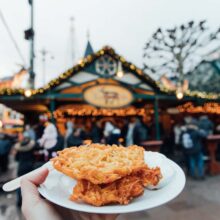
(99, 164)
(106, 174)
(121, 191)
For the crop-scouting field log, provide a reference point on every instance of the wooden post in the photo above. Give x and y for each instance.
(156, 118)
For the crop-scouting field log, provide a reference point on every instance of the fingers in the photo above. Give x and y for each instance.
(30, 194)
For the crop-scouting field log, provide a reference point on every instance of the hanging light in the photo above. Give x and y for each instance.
(179, 95)
(179, 92)
(120, 72)
(28, 93)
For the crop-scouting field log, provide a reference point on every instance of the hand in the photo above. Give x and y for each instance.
(34, 207)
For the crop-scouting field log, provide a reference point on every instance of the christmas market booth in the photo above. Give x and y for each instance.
(102, 85)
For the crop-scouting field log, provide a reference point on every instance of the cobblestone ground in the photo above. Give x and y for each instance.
(199, 200)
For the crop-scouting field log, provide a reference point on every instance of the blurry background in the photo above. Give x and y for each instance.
(126, 25)
(70, 39)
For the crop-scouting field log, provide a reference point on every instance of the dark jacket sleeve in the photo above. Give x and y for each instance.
(140, 134)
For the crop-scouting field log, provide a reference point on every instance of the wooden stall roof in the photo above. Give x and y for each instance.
(147, 81)
(68, 87)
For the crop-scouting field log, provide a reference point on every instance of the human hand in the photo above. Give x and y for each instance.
(34, 207)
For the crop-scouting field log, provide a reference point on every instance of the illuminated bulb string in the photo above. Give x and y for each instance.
(208, 108)
(90, 58)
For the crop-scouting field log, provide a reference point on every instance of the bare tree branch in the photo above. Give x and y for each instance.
(177, 50)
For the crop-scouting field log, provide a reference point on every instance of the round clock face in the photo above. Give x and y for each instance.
(108, 96)
(106, 65)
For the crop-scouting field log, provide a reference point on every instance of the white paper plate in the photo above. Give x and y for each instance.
(58, 187)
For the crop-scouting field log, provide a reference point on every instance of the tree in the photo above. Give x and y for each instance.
(177, 51)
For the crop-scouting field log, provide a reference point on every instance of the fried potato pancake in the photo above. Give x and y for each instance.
(99, 164)
(106, 174)
(121, 191)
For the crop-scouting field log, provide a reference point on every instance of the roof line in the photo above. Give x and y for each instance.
(92, 57)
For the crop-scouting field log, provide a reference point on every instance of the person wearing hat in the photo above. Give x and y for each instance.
(25, 158)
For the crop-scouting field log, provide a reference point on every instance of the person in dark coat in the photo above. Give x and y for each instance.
(24, 155)
(206, 125)
(97, 132)
(135, 132)
(192, 147)
(76, 138)
(39, 128)
(5, 148)
(114, 136)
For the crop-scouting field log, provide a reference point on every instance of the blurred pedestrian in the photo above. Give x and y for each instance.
(77, 137)
(217, 132)
(97, 132)
(69, 131)
(25, 158)
(39, 128)
(206, 125)
(177, 133)
(6, 144)
(114, 136)
(192, 145)
(168, 146)
(135, 132)
(108, 129)
(29, 131)
(48, 140)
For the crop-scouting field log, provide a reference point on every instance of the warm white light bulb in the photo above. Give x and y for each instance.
(179, 95)
(120, 74)
(28, 93)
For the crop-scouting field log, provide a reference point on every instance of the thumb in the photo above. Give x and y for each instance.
(30, 194)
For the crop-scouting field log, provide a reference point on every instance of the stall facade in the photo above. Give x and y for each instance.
(102, 84)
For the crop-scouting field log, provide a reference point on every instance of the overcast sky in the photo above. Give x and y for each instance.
(124, 25)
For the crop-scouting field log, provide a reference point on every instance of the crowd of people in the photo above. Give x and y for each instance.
(190, 138)
(127, 132)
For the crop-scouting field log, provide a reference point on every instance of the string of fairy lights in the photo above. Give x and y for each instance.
(189, 93)
(80, 66)
(206, 108)
(88, 60)
(85, 110)
(63, 114)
